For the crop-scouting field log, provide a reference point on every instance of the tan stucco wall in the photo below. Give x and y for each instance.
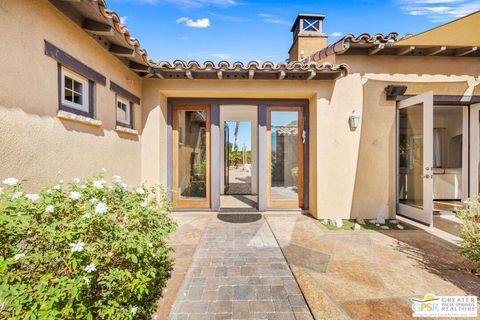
(309, 45)
(34, 143)
(156, 92)
(369, 153)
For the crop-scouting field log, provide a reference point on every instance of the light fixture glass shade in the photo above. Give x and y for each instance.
(354, 120)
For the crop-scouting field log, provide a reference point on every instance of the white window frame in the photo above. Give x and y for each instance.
(85, 107)
(128, 121)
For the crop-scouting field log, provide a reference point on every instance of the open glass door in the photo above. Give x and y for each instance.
(191, 156)
(474, 151)
(415, 158)
(285, 157)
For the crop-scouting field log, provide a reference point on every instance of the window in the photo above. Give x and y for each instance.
(124, 113)
(310, 25)
(74, 93)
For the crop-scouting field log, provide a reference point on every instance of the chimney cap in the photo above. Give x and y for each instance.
(318, 16)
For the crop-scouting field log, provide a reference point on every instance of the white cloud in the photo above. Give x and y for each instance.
(336, 34)
(199, 23)
(273, 19)
(439, 10)
(221, 56)
(184, 38)
(123, 20)
(190, 3)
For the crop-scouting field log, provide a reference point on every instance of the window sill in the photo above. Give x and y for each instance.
(77, 118)
(126, 130)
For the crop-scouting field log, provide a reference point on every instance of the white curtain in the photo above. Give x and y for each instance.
(437, 147)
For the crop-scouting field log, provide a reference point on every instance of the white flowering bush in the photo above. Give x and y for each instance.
(470, 231)
(83, 250)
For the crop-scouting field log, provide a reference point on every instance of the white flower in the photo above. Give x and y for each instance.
(77, 247)
(10, 181)
(124, 185)
(143, 204)
(87, 281)
(140, 190)
(50, 208)
(58, 259)
(57, 187)
(101, 207)
(32, 197)
(16, 195)
(117, 179)
(90, 268)
(76, 180)
(87, 215)
(150, 245)
(19, 213)
(18, 256)
(75, 195)
(134, 310)
(83, 186)
(93, 200)
(99, 183)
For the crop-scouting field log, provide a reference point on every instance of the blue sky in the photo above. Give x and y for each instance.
(260, 30)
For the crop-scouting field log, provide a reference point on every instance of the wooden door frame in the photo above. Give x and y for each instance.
(189, 203)
(286, 203)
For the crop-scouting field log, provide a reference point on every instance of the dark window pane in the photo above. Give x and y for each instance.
(77, 98)
(68, 83)
(192, 154)
(68, 95)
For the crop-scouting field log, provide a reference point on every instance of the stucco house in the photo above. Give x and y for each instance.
(368, 126)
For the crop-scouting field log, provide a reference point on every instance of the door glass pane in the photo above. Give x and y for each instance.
(192, 157)
(284, 155)
(410, 151)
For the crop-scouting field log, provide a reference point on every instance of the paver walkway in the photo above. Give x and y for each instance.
(239, 272)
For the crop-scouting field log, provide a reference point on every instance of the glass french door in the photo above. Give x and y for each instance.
(415, 158)
(285, 157)
(191, 156)
(474, 151)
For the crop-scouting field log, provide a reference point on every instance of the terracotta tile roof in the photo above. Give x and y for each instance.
(342, 45)
(389, 44)
(252, 70)
(96, 19)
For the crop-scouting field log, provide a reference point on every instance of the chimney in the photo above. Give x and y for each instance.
(308, 36)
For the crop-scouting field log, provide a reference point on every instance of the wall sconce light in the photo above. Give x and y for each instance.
(354, 120)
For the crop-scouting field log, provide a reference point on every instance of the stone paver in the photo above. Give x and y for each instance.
(367, 274)
(239, 272)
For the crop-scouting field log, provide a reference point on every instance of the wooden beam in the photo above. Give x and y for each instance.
(189, 74)
(251, 74)
(454, 100)
(124, 92)
(435, 50)
(97, 28)
(464, 51)
(121, 51)
(312, 74)
(376, 49)
(138, 67)
(281, 75)
(220, 74)
(404, 51)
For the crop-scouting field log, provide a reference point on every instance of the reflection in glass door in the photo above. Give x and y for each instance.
(415, 158)
(285, 157)
(191, 157)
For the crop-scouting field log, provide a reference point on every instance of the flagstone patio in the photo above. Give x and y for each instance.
(265, 266)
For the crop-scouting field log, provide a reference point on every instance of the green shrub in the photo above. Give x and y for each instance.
(470, 231)
(84, 250)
